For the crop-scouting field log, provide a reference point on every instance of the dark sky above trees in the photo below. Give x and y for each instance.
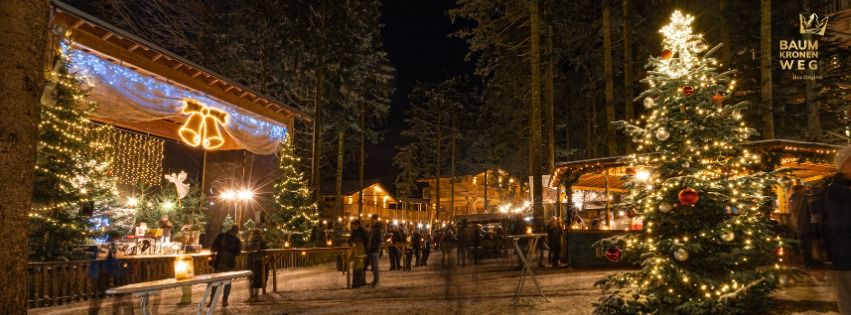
(416, 37)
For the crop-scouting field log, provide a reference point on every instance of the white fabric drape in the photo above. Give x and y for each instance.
(125, 95)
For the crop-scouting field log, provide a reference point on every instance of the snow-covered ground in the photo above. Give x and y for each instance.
(483, 289)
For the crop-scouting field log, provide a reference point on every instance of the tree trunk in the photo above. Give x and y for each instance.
(452, 167)
(362, 158)
(610, 81)
(535, 117)
(765, 70)
(550, 100)
(437, 164)
(485, 204)
(315, 177)
(725, 33)
(25, 30)
(341, 147)
(629, 107)
(813, 107)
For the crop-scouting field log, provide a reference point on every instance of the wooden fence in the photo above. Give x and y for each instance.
(57, 283)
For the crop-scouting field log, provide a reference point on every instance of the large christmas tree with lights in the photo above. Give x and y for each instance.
(72, 181)
(297, 214)
(708, 246)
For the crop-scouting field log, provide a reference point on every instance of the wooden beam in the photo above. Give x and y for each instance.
(106, 36)
(178, 66)
(598, 189)
(133, 47)
(197, 73)
(230, 87)
(157, 57)
(213, 82)
(115, 51)
(78, 23)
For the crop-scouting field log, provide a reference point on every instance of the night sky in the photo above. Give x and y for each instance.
(416, 38)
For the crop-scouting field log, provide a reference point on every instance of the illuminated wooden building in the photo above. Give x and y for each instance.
(592, 187)
(175, 115)
(472, 194)
(377, 199)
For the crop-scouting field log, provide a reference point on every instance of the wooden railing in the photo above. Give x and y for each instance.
(387, 213)
(57, 283)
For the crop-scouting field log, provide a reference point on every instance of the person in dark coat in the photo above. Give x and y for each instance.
(394, 253)
(427, 244)
(837, 228)
(226, 247)
(357, 240)
(373, 247)
(255, 260)
(554, 234)
(417, 246)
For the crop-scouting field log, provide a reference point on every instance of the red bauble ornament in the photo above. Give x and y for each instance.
(688, 197)
(780, 252)
(666, 54)
(613, 254)
(717, 98)
(688, 91)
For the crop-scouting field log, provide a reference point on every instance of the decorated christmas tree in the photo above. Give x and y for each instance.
(72, 180)
(708, 246)
(297, 214)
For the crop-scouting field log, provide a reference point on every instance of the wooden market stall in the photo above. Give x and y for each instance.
(153, 96)
(591, 189)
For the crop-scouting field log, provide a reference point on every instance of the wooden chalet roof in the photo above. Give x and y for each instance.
(113, 44)
(593, 173)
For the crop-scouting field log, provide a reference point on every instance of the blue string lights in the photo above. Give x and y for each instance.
(160, 98)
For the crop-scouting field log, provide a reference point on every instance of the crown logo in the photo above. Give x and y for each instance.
(812, 25)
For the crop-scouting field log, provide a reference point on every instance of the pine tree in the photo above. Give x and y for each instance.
(71, 174)
(297, 214)
(709, 246)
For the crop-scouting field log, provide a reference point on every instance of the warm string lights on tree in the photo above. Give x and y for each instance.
(72, 181)
(297, 214)
(709, 246)
(137, 159)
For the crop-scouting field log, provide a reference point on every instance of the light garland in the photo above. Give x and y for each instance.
(137, 159)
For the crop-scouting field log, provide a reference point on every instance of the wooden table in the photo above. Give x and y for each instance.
(527, 269)
(217, 281)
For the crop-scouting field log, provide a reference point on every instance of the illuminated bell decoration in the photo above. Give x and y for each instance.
(688, 91)
(613, 254)
(681, 254)
(666, 54)
(728, 236)
(202, 126)
(183, 268)
(688, 196)
(717, 98)
(649, 102)
(662, 134)
(665, 207)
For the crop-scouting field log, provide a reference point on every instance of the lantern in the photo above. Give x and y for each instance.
(183, 268)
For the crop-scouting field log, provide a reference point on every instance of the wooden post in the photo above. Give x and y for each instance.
(608, 203)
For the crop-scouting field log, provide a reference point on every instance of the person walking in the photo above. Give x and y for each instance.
(416, 246)
(427, 244)
(837, 228)
(393, 250)
(255, 260)
(554, 234)
(465, 240)
(357, 240)
(374, 240)
(799, 220)
(226, 247)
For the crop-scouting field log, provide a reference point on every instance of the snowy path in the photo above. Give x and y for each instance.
(484, 289)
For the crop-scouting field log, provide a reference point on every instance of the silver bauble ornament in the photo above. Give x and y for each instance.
(662, 134)
(686, 164)
(665, 207)
(680, 254)
(649, 102)
(728, 236)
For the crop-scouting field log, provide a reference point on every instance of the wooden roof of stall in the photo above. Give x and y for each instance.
(593, 173)
(115, 45)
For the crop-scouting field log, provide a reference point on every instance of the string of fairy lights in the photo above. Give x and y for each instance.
(137, 159)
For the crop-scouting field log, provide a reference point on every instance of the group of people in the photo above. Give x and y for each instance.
(226, 248)
(366, 242)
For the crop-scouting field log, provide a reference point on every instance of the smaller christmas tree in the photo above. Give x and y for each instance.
(72, 181)
(297, 214)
